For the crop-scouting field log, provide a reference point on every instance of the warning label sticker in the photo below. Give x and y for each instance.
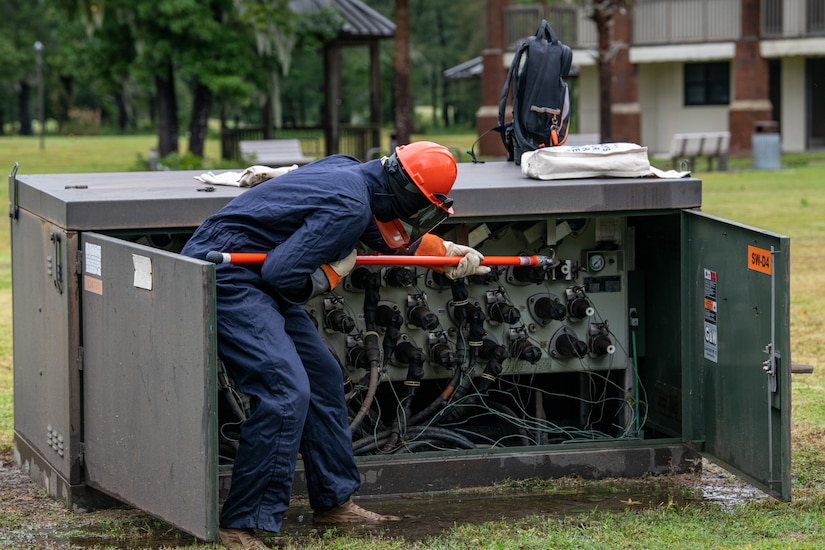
(759, 260)
(710, 305)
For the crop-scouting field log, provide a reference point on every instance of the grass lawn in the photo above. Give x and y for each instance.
(82, 153)
(790, 201)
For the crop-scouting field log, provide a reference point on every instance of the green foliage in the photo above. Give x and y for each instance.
(106, 56)
(184, 161)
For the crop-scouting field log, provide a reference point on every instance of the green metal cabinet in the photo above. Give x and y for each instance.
(115, 345)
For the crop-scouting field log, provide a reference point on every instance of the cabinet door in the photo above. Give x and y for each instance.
(149, 381)
(46, 377)
(736, 348)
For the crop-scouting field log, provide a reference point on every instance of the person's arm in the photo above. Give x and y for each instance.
(314, 258)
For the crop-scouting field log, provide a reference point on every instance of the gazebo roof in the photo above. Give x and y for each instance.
(360, 20)
(468, 69)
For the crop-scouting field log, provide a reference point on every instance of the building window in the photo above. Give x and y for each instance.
(707, 83)
(816, 16)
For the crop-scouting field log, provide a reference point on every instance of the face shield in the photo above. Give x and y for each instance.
(402, 232)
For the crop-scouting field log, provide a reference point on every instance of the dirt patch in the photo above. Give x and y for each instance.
(25, 511)
(30, 519)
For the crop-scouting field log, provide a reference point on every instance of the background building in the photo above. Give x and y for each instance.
(682, 66)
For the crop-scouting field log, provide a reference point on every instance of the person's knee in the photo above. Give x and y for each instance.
(286, 399)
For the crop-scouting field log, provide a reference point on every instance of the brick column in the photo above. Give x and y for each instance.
(492, 80)
(751, 101)
(625, 111)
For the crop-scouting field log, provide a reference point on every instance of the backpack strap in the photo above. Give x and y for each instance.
(546, 32)
(506, 130)
(472, 152)
(502, 103)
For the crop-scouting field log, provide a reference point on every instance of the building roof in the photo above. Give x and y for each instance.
(360, 20)
(475, 67)
(468, 69)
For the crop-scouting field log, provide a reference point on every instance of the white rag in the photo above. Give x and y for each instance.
(250, 177)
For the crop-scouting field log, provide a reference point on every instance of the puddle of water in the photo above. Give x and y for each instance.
(428, 515)
(102, 537)
(423, 515)
(716, 485)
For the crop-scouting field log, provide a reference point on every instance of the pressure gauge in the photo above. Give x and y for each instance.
(596, 262)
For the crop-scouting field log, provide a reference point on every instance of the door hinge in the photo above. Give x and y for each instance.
(81, 358)
(78, 269)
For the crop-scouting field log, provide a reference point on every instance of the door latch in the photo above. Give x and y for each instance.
(55, 265)
(770, 366)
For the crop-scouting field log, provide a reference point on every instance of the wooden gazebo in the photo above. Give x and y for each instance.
(362, 26)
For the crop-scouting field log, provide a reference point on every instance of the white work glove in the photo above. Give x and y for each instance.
(250, 177)
(254, 175)
(469, 264)
(225, 178)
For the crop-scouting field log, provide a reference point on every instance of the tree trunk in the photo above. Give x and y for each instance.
(122, 111)
(605, 101)
(277, 105)
(401, 65)
(23, 104)
(603, 17)
(201, 104)
(266, 116)
(65, 100)
(167, 112)
(442, 42)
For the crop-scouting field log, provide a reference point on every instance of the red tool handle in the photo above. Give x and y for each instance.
(444, 260)
(388, 259)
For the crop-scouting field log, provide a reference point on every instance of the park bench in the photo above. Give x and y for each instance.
(690, 146)
(274, 152)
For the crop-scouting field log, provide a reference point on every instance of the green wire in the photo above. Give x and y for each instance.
(635, 383)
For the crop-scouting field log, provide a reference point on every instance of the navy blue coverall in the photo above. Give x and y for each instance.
(303, 219)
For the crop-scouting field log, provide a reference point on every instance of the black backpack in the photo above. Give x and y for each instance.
(541, 102)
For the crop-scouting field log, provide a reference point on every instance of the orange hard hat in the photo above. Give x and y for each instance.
(430, 166)
(428, 171)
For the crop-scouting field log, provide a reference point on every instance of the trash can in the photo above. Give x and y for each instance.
(765, 145)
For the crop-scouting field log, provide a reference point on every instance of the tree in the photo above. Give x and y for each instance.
(22, 23)
(302, 94)
(216, 68)
(603, 13)
(401, 66)
(272, 25)
(441, 35)
(93, 56)
(208, 45)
